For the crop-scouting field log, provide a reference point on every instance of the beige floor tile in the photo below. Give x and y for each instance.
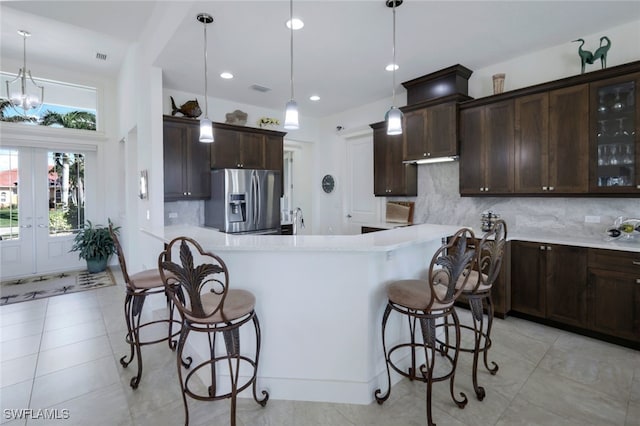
(15, 396)
(72, 355)
(63, 385)
(73, 334)
(16, 331)
(18, 369)
(21, 316)
(34, 305)
(63, 319)
(103, 407)
(17, 348)
(521, 412)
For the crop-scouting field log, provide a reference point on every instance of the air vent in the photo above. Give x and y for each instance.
(259, 88)
(101, 56)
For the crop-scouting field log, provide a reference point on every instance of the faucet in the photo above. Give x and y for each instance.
(297, 214)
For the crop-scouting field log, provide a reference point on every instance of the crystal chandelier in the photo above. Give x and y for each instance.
(25, 95)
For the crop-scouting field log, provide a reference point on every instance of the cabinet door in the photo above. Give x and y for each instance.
(569, 139)
(528, 276)
(174, 142)
(225, 151)
(415, 144)
(198, 166)
(380, 162)
(252, 147)
(441, 130)
(567, 284)
(498, 143)
(390, 175)
(471, 169)
(614, 155)
(532, 144)
(273, 156)
(615, 303)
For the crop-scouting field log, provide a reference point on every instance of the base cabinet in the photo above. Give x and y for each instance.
(592, 291)
(614, 284)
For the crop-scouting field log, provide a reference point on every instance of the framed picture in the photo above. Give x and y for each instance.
(144, 185)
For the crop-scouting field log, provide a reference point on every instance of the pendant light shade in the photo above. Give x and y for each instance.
(206, 127)
(25, 95)
(291, 110)
(393, 117)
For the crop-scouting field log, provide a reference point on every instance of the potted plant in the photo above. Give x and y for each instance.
(95, 245)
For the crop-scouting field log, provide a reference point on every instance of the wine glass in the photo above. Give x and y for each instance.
(621, 131)
(602, 131)
(618, 105)
(628, 154)
(602, 108)
(613, 159)
(602, 152)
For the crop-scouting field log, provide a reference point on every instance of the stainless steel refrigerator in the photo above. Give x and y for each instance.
(244, 201)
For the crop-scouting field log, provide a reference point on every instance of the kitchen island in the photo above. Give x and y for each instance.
(320, 301)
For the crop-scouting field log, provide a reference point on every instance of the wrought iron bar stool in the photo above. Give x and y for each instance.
(139, 286)
(199, 288)
(476, 289)
(427, 302)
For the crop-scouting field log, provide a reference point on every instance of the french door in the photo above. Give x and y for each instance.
(42, 203)
(361, 206)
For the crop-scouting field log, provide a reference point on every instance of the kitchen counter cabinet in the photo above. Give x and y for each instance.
(186, 161)
(614, 302)
(391, 177)
(487, 149)
(431, 132)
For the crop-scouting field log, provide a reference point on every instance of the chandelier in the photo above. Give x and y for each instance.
(25, 95)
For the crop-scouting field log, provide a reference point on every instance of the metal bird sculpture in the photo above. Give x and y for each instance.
(586, 57)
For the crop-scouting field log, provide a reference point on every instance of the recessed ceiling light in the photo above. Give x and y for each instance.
(226, 75)
(297, 23)
(314, 98)
(392, 67)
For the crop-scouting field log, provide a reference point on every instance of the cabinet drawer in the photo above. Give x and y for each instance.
(615, 260)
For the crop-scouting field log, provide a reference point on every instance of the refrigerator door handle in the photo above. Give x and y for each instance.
(258, 199)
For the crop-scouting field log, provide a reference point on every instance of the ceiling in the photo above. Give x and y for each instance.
(340, 54)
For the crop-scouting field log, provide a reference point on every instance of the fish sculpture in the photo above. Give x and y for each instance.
(188, 109)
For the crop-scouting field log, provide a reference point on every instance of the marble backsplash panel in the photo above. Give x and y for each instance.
(184, 213)
(439, 201)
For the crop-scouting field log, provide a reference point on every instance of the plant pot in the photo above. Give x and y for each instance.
(97, 264)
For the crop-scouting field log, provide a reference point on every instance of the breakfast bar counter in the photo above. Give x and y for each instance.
(320, 301)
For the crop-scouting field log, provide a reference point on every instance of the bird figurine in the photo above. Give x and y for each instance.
(587, 57)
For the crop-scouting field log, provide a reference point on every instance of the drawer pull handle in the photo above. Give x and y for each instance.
(638, 281)
(636, 262)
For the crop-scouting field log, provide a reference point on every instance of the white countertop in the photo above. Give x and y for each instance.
(374, 241)
(592, 242)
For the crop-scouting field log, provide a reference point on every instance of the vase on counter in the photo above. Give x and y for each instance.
(498, 83)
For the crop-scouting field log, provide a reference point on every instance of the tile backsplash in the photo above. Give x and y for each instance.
(440, 202)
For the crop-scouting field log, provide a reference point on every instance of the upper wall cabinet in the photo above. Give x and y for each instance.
(186, 160)
(238, 147)
(576, 136)
(615, 144)
(486, 148)
(551, 148)
(391, 177)
(431, 132)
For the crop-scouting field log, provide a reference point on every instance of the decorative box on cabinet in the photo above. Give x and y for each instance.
(614, 293)
(238, 147)
(615, 143)
(186, 160)
(486, 149)
(390, 175)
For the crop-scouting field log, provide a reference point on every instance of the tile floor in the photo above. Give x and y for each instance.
(63, 352)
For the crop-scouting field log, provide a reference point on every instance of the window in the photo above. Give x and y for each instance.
(65, 179)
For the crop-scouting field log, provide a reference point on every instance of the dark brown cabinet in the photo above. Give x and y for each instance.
(614, 140)
(487, 149)
(238, 147)
(614, 302)
(551, 149)
(431, 132)
(186, 160)
(549, 281)
(390, 175)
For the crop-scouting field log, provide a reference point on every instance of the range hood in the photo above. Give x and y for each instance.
(433, 160)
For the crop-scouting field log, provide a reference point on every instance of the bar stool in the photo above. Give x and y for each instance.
(428, 301)
(138, 287)
(477, 290)
(199, 288)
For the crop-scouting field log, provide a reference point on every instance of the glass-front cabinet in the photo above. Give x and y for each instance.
(615, 143)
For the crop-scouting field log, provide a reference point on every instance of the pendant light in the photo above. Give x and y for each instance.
(24, 97)
(206, 127)
(393, 117)
(291, 110)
